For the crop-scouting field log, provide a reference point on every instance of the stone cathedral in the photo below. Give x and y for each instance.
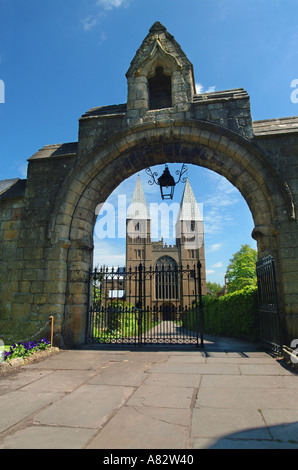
(188, 250)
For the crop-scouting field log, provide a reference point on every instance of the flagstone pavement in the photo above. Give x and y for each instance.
(229, 395)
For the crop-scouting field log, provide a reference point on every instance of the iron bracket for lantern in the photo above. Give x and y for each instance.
(166, 181)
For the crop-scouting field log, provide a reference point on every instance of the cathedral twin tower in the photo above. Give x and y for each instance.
(189, 247)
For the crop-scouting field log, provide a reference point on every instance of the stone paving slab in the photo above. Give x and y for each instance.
(189, 368)
(17, 406)
(231, 398)
(282, 424)
(72, 360)
(20, 379)
(88, 406)
(143, 428)
(238, 360)
(48, 437)
(161, 396)
(263, 369)
(63, 381)
(221, 382)
(127, 373)
(220, 422)
(227, 396)
(170, 380)
(187, 359)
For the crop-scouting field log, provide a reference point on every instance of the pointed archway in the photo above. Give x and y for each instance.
(195, 142)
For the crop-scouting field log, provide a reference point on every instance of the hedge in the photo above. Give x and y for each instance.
(233, 315)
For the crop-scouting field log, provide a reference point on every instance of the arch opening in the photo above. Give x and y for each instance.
(106, 167)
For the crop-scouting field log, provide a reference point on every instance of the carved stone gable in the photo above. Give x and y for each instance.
(160, 76)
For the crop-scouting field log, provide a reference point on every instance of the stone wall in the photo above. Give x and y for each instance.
(13, 288)
(279, 143)
(30, 291)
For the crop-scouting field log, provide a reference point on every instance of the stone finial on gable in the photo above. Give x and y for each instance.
(157, 27)
(160, 75)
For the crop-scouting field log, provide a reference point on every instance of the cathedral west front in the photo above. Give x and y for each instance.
(161, 257)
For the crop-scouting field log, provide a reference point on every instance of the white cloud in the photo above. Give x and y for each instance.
(217, 265)
(218, 206)
(200, 89)
(110, 4)
(103, 6)
(215, 247)
(89, 22)
(209, 271)
(108, 253)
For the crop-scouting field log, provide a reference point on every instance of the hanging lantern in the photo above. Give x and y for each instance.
(166, 181)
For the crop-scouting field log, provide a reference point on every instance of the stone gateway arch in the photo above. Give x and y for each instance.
(47, 220)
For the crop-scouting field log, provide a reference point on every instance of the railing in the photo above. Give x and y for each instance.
(268, 303)
(140, 306)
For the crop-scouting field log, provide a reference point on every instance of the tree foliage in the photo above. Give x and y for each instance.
(241, 272)
(214, 287)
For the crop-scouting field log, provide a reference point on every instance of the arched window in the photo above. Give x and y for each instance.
(160, 90)
(166, 279)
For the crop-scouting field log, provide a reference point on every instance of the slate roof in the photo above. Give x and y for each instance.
(285, 125)
(219, 96)
(6, 184)
(12, 188)
(110, 110)
(56, 150)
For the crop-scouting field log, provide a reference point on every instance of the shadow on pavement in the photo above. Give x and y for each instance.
(283, 436)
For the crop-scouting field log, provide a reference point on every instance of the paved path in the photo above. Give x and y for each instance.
(168, 331)
(232, 395)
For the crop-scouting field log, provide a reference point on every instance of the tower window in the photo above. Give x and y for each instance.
(160, 90)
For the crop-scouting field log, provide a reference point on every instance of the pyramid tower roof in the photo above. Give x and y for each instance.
(189, 209)
(138, 208)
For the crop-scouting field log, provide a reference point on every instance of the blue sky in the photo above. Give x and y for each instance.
(60, 58)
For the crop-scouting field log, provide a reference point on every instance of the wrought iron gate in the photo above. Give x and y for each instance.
(268, 303)
(156, 305)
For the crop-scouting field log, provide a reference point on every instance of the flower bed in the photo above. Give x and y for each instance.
(25, 349)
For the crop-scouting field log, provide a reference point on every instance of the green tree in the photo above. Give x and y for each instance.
(214, 287)
(241, 271)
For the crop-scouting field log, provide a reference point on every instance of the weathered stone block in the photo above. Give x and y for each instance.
(25, 286)
(55, 287)
(11, 234)
(23, 297)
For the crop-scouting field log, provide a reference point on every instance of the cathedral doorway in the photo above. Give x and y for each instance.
(169, 311)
